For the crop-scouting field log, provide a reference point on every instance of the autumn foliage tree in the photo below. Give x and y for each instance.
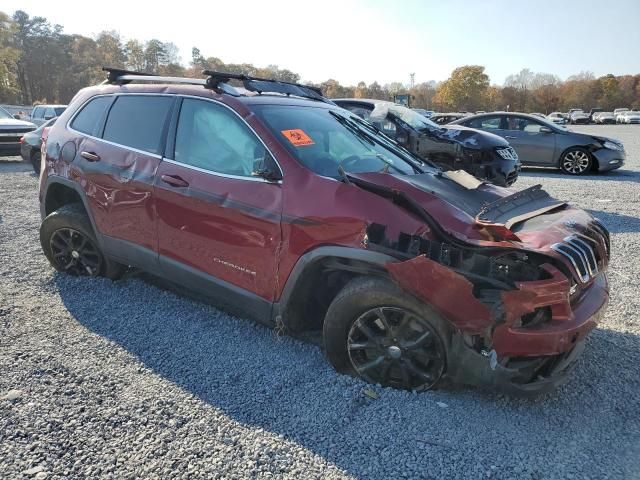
(41, 63)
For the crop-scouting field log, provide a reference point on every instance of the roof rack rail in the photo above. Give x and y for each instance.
(260, 85)
(218, 81)
(117, 76)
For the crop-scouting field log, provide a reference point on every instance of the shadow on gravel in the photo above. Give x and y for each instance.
(616, 222)
(611, 176)
(286, 387)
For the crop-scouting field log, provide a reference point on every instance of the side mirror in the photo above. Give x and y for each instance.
(17, 117)
(545, 130)
(266, 168)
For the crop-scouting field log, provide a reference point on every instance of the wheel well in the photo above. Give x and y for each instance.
(316, 288)
(59, 195)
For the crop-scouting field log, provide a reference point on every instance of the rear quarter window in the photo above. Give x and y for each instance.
(138, 121)
(89, 118)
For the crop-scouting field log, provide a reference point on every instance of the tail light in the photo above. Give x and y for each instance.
(45, 132)
(21, 140)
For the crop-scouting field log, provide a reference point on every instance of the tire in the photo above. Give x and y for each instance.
(576, 161)
(36, 161)
(70, 245)
(375, 330)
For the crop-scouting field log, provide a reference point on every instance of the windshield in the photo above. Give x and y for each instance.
(4, 113)
(408, 116)
(324, 140)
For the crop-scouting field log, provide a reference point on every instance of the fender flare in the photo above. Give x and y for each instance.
(307, 261)
(55, 179)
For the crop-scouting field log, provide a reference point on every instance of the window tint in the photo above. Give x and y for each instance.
(138, 121)
(486, 123)
(523, 125)
(213, 138)
(89, 118)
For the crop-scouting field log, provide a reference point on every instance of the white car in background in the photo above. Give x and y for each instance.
(630, 116)
(557, 117)
(619, 111)
(604, 118)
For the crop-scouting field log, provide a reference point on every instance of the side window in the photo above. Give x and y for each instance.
(38, 112)
(486, 123)
(137, 121)
(211, 137)
(523, 124)
(89, 118)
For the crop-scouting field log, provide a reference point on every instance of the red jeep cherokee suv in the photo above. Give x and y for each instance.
(298, 213)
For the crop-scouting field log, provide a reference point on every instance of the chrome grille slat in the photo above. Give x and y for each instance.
(582, 255)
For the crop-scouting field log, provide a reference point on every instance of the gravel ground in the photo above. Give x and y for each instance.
(126, 380)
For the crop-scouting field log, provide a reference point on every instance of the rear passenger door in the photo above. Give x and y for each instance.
(119, 153)
(219, 225)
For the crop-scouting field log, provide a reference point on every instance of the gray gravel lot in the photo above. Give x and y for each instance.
(126, 380)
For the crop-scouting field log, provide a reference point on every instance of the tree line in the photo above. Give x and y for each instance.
(39, 63)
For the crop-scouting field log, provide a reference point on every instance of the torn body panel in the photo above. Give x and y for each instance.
(531, 329)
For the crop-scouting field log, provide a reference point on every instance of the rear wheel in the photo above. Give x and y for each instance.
(70, 245)
(576, 161)
(373, 329)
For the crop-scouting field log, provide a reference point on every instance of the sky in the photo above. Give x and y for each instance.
(375, 40)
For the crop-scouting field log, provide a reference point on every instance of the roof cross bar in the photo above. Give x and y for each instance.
(219, 81)
(260, 85)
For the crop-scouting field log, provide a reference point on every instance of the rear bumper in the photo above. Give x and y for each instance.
(609, 159)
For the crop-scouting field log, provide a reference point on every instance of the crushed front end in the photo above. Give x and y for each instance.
(520, 306)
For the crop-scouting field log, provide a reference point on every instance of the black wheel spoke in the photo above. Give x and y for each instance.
(362, 345)
(419, 342)
(385, 321)
(367, 331)
(372, 364)
(417, 371)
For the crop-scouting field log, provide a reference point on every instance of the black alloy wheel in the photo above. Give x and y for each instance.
(395, 347)
(75, 253)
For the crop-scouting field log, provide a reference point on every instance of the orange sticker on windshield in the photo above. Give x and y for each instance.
(297, 137)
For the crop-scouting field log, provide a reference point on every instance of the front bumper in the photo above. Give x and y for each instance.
(9, 149)
(534, 360)
(609, 159)
(489, 346)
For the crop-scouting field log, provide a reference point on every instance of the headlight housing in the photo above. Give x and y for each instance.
(613, 146)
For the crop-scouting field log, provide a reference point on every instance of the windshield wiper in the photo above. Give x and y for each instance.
(373, 139)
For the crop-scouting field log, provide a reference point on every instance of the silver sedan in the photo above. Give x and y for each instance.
(541, 143)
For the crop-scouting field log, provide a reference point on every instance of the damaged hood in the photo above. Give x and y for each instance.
(471, 138)
(462, 205)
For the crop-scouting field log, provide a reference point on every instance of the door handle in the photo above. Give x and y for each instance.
(90, 156)
(174, 180)
(510, 137)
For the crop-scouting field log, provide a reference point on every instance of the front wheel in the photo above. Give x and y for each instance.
(576, 161)
(70, 245)
(376, 331)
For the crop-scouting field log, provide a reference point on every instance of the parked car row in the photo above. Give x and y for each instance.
(299, 213)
